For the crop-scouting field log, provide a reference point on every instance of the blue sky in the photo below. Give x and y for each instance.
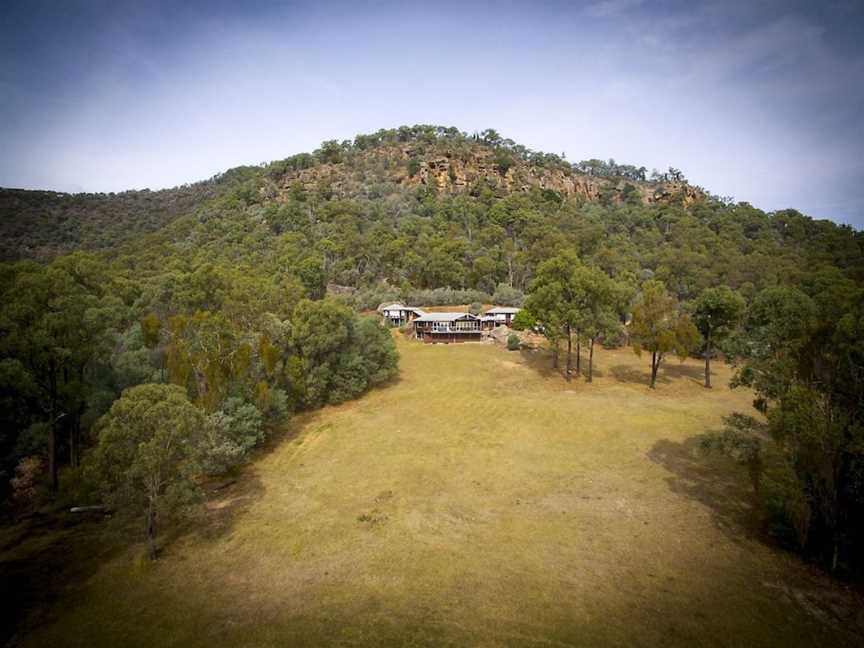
(760, 100)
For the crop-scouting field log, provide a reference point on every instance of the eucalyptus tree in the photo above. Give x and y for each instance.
(147, 453)
(603, 301)
(56, 323)
(660, 325)
(716, 312)
(556, 298)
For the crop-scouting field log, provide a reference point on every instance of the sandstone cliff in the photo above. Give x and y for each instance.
(466, 169)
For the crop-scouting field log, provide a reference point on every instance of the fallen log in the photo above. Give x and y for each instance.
(222, 486)
(89, 509)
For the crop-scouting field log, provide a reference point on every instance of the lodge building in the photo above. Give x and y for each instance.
(447, 327)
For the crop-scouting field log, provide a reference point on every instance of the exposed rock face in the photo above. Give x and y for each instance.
(464, 170)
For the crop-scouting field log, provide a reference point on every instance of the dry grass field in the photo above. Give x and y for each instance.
(477, 501)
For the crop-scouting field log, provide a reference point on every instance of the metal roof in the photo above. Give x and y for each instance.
(397, 306)
(444, 317)
(501, 310)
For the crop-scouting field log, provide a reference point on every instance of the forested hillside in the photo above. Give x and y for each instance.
(43, 224)
(219, 288)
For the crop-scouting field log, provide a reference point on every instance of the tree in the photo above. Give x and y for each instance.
(147, 453)
(660, 326)
(807, 369)
(506, 295)
(602, 301)
(58, 323)
(524, 320)
(229, 434)
(205, 348)
(553, 302)
(777, 330)
(716, 312)
(313, 277)
(340, 354)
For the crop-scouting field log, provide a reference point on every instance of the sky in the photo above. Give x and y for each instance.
(762, 101)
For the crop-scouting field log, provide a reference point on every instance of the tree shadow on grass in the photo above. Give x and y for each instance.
(540, 360)
(714, 481)
(42, 556)
(667, 373)
(690, 372)
(45, 553)
(632, 375)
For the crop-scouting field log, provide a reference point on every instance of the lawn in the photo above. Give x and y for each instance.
(477, 501)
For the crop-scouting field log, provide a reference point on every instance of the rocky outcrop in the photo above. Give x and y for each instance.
(469, 169)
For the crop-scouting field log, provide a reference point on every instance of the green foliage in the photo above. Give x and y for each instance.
(342, 354)
(716, 313)
(57, 326)
(313, 277)
(147, 452)
(150, 329)
(506, 295)
(743, 438)
(778, 327)
(659, 326)
(229, 434)
(524, 320)
(805, 366)
(513, 342)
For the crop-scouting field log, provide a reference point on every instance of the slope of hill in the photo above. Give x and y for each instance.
(44, 224)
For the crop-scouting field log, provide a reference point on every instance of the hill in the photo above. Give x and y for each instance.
(43, 224)
(428, 206)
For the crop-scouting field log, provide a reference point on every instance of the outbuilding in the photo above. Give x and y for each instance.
(500, 316)
(398, 314)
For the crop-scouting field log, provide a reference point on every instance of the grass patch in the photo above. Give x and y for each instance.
(479, 500)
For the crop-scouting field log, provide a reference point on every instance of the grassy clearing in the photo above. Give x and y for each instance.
(479, 500)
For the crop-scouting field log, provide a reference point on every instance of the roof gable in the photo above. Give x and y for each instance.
(445, 317)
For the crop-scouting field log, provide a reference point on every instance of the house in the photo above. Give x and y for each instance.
(447, 327)
(399, 314)
(500, 315)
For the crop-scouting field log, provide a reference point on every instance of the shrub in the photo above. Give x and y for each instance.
(508, 296)
(28, 476)
(524, 320)
(445, 297)
(475, 308)
(513, 342)
(229, 435)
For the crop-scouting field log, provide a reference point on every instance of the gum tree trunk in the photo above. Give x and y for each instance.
(590, 359)
(655, 364)
(578, 354)
(151, 529)
(708, 361)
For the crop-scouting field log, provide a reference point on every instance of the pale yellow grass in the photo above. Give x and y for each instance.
(478, 501)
